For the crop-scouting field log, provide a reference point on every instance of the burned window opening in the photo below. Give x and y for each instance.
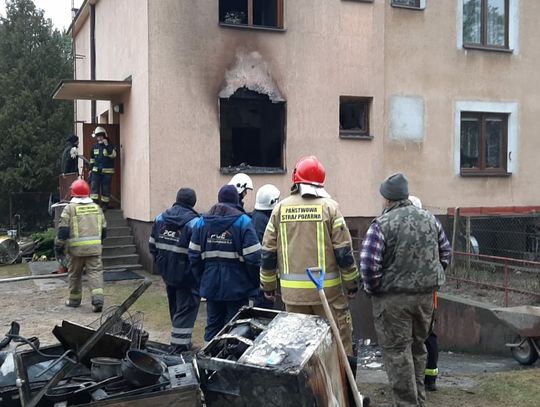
(252, 132)
(354, 117)
(260, 13)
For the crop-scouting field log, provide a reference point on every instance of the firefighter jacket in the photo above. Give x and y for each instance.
(169, 241)
(307, 232)
(225, 254)
(81, 228)
(102, 158)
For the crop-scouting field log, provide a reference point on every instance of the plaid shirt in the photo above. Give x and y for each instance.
(372, 253)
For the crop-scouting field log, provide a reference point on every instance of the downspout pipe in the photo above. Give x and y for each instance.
(93, 55)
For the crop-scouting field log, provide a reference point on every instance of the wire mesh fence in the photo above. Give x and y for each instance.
(499, 252)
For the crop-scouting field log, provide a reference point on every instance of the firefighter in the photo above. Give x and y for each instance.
(225, 256)
(81, 230)
(243, 183)
(168, 244)
(432, 346)
(102, 162)
(266, 198)
(305, 230)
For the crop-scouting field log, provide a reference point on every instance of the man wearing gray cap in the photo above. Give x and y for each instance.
(403, 258)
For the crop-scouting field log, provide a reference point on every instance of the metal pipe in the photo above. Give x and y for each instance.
(93, 55)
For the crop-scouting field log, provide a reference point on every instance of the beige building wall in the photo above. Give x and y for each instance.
(330, 48)
(422, 59)
(121, 52)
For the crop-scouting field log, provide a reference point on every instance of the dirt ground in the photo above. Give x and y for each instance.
(465, 380)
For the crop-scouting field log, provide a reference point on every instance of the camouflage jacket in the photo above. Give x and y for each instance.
(413, 249)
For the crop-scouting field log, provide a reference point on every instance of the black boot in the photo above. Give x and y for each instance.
(430, 383)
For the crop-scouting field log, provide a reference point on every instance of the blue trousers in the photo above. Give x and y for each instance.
(100, 184)
(218, 314)
(183, 309)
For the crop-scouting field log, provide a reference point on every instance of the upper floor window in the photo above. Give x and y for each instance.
(486, 23)
(420, 4)
(484, 140)
(252, 13)
(354, 117)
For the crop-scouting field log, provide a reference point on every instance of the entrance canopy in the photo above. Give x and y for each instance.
(71, 89)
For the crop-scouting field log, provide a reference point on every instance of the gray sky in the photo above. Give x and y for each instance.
(59, 11)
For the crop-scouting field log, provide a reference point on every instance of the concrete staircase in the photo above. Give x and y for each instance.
(119, 251)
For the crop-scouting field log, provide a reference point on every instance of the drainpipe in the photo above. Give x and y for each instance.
(93, 55)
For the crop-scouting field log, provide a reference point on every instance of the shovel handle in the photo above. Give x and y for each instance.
(319, 282)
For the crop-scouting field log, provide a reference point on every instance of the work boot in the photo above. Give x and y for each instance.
(97, 307)
(430, 383)
(72, 303)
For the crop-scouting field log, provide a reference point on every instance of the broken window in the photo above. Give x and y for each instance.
(252, 132)
(260, 13)
(484, 140)
(354, 117)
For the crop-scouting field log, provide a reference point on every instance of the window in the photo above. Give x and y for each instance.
(484, 140)
(485, 23)
(252, 133)
(419, 4)
(354, 117)
(251, 13)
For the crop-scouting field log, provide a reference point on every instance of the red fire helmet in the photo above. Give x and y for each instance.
(80, 189)
(309, 170)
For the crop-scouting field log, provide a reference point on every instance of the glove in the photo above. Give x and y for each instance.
(270, 295)
(105, 142)
(352, 292)
(73, 152)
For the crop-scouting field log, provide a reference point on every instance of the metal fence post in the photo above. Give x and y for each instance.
(506, 283)
(468, 245)
(454, 242)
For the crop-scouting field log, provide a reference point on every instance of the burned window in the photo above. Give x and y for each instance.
(354, 117)
(259, 13)
(252, 130)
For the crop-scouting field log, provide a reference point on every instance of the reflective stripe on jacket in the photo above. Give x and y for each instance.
(307, 232)
(82, 226)
(102, 158)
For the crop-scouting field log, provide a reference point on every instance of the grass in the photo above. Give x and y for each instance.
(514, 388)
(153, 303)
(14, 270)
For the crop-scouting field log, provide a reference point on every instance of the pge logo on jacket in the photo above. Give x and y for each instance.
(223, 238)
(167, 234)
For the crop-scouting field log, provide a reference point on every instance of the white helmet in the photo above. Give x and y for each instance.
(99, 130)
(241, 182)
(267, 197)
(415, 201)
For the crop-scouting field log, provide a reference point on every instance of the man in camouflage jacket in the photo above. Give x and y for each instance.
(403, 258)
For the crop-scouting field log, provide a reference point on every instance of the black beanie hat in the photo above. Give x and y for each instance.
(395, 187)
(228, 194)
(186, 196)
(72, 138)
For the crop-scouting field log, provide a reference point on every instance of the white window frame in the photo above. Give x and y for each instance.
(513, 27)
(511, 108)
(421, 7)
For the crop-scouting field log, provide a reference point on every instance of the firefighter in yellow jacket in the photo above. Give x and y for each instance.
(305, 230)
(81, 229)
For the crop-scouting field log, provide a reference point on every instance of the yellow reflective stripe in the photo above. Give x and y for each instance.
(309, 284)
(270, 227)
(113, 154)
(350, 276)
(431, 372)
(107, 170)
(321, 255)
(75, 296)
(75, 227)
(268, 279)
(284, 247)
(339, 222)
(92, 160)
(84, 243)
(97, 291)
